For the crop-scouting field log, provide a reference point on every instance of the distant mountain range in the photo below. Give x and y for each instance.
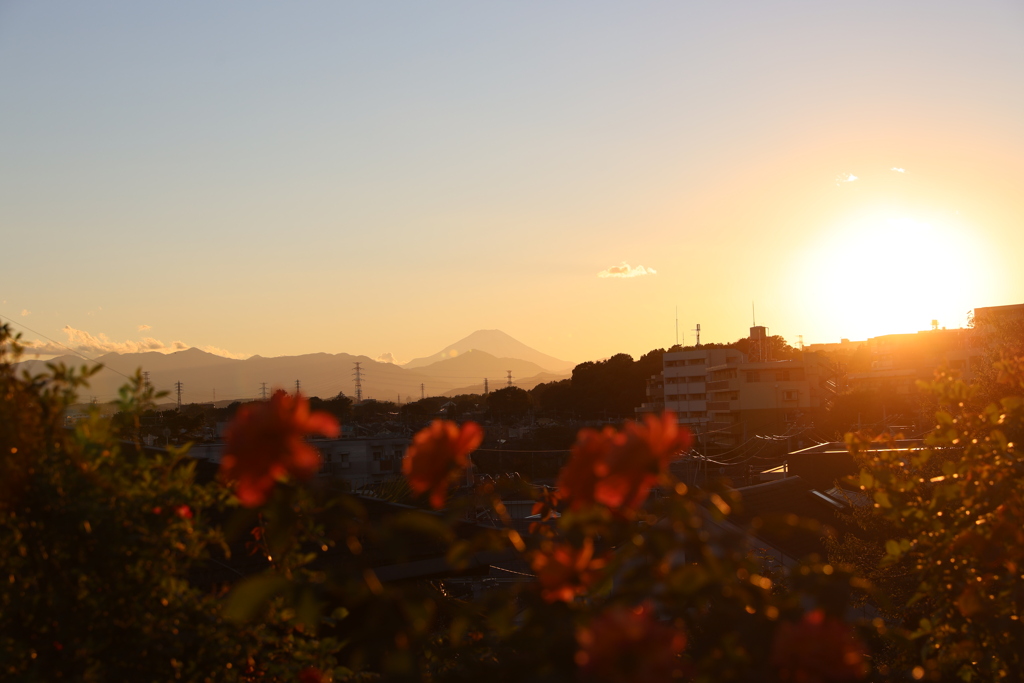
(496, 343)
(205, 377)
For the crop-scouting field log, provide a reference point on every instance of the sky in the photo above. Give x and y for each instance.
(370, 178)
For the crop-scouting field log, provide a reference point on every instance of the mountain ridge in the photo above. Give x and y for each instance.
(206, 376)
(498, 344)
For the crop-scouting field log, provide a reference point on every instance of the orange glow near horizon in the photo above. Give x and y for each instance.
(875, 275)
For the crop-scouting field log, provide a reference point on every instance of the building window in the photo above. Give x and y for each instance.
(753, 376)
(790, 395)
(782, 375)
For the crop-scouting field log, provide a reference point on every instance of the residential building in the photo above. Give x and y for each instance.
(684, 376)
(746, 399)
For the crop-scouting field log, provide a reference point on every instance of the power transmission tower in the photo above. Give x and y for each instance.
(178, 385)
(263, 390)
(296, 387)
(145, 379)
(423, 394)
(485, 386)
(359, 383)
(509, 377)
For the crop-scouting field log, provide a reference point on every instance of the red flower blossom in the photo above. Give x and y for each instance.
(565, 572)
(183, 511)
(818, 649)
(617, 469)
(265, 443)
(157, 510)
(625, 645)
(438, 454)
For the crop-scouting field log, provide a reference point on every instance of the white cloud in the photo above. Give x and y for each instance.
(143, 328)
(846, 178)
(898, 169)
(385, 357)
(25, 313)
(89, 344)
(625, 270)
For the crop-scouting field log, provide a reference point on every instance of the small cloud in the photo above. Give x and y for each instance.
(143, 328)
(625, 270)
(898, 169)
(846, 178)
(385, 357)
(25, 313)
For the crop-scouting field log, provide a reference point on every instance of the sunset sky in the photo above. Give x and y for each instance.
(284, 178)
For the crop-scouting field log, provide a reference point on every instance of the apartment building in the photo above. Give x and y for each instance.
(684, 375)
(745, 398)
(898, 361)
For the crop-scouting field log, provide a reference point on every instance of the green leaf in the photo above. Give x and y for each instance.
(251, 595)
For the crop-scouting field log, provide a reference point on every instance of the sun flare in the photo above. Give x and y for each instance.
(885, 275)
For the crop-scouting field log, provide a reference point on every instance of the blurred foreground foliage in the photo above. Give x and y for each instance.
(126, 563)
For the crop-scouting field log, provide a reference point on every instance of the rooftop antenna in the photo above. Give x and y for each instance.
(753, 315)
(697, 330)
(677, 326)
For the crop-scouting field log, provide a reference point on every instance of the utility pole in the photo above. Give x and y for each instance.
(178, 385)
(509, 377)
(485, 386)
(359, 383)
(263, 390)
(423, 394)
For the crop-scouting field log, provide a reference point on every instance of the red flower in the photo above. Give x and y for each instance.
(617, 469)
(183, 511)
(628, 645)
(565, 572)
(818, 649)
(437, 455)
(265, 443)
(157, 510)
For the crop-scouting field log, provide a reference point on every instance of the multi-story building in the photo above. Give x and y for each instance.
(766, 397)
(898, 361)
(684, 375)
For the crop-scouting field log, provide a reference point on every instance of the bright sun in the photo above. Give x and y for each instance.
(876, 276)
